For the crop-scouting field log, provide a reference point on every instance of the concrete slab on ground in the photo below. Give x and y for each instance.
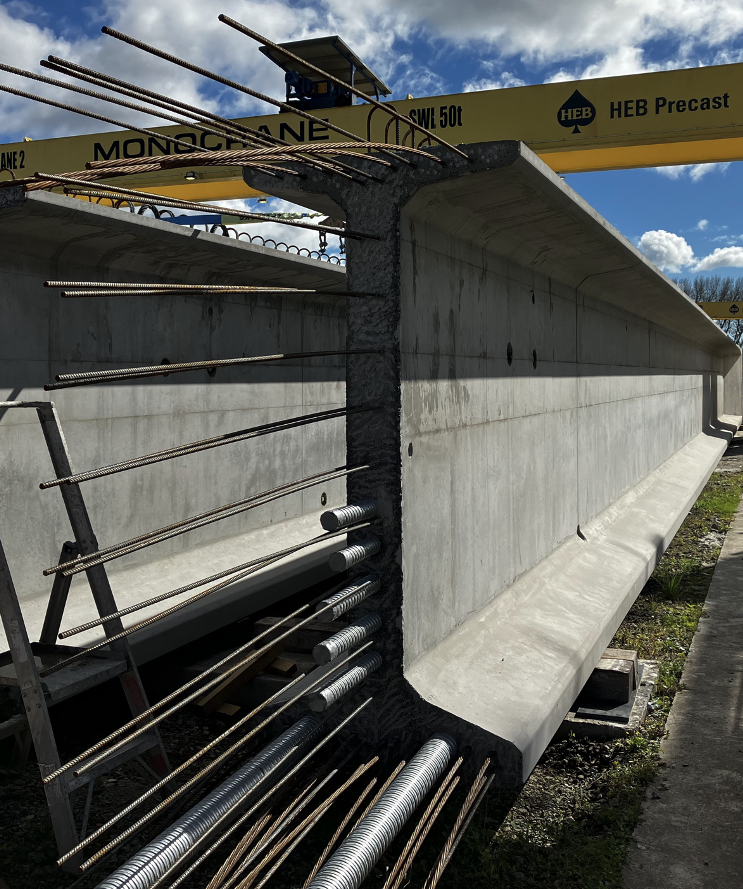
(690, 835)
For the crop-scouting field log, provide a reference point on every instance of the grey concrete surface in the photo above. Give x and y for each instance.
(47, 236)
(689, 835)
(608, 412)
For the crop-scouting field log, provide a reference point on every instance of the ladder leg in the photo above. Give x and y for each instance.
(58, 597)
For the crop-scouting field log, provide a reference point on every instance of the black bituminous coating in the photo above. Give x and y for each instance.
(398, 713)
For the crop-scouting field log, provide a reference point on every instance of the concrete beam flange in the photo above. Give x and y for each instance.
(539, 375)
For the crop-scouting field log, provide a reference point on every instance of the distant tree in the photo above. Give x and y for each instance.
(717, 289)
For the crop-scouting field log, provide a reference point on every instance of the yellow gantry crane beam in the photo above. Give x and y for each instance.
(687, 116)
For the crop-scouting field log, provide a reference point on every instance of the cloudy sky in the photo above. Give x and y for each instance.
(686, 219)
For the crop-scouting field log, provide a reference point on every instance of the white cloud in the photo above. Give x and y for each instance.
(668, 251)
(702, 225)
(504, 81)
(695, 172)
(721, 258)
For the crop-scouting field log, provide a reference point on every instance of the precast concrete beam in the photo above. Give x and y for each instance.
(552, 406)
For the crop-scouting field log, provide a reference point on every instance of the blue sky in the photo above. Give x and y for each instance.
(679, 216)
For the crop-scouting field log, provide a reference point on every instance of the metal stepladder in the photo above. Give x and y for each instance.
(29, 659)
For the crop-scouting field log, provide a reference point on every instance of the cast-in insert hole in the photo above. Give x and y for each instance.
(410, 449)
(323, 498)
(509, 353)
(534, 359)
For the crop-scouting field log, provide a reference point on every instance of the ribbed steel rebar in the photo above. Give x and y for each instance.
(338, 831)
(151, 791)
(147, 622)
(204, 444)
(346, 558)
(183, 367)
(329, 649)
(343, 685)
(341, 516)
(226, 833)
(148, 714)
(360, 851)
(151, 862)
(228, 510)
(350, 596)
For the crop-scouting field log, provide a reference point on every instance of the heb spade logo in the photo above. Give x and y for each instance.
(733, 309)
(576, 112)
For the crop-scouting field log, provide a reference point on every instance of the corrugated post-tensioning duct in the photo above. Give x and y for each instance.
(363, 847)
(325, 697)
(354, 634)
(151, 862)
(350, 596)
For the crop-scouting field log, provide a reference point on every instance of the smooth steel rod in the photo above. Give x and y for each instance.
(155, 370)
(203, 444)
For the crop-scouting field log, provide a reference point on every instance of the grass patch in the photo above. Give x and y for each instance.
(570, 825)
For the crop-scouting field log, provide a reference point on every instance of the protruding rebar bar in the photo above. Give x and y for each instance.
(359, 852)
(148, 714)
(205, 444)
(156, 370)
(345, 684)
(151, 862)
(344, 640)
(356, 92)
(349, 597)
(225, 834)
(342, 516)
(346, 558)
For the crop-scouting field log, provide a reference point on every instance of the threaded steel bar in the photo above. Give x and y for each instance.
(329, 649)
(350, 596)
(284, 106)
(148, 197)
(151, 862)
(91, 763)
(362, 848)
(346, 558)
(132, 829)
(341, 516)
(117, 123)
(381, 105)
(402, 858)
(146, 714)
(173, 774)
(263, 563)
(445, 854)
(345, 684)
(338, 831)
(182, 367)
(239, 850)
(82, 563)
(224, 835)
(203, 444)
(176, 592)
